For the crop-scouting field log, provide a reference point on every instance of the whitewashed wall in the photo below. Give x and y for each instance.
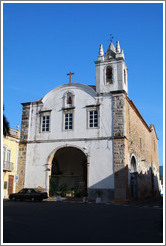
(96, 141)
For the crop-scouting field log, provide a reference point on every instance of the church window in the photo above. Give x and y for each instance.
(109, 75)
(45, 123)
(68, 121)
(93, 119)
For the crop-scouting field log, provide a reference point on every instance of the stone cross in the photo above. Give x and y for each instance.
(70, 76)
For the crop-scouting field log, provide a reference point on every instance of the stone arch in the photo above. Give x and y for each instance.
(67, 169)
(133, 177)
(133, 164)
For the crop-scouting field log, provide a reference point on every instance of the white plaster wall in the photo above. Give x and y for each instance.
(100, 159)
(53, 101)
(41, 145)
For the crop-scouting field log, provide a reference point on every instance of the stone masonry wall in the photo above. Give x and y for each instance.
(23, 146)
(21, 166)
(25, 122)
(142, 143)
(119, 146)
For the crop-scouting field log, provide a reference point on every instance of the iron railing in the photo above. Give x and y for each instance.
(8, 166)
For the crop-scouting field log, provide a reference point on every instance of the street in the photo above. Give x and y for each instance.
(77, 222)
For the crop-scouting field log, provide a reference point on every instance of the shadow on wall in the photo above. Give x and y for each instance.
(148, 185)
(127, 186)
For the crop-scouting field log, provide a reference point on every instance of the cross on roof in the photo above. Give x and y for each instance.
(70, 76)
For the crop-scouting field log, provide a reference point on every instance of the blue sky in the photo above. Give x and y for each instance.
(42, 42)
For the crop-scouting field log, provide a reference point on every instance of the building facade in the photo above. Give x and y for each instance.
(10, 162)
(90, 137)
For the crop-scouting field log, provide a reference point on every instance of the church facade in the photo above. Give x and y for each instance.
(90, 138)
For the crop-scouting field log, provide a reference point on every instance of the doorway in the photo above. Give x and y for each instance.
(134, 179)
(10, 184)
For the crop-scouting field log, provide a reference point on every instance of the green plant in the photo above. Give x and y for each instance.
(78, 193)
(63, 189)
(53, 186)
(58, 193)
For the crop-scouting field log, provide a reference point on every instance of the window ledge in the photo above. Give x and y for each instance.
(92, 106)
(68, 108)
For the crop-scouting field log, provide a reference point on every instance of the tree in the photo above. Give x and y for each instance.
(6, 127)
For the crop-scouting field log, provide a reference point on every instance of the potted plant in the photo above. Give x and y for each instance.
(58, 196)
(85, 197)
(72, 193)
(98, 198)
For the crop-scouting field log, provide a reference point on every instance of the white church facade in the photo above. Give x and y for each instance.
(90, 138)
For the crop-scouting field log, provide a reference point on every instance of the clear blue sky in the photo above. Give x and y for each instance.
(44, 41)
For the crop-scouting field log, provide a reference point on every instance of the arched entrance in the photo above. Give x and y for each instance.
(68, 171)
(134, 178)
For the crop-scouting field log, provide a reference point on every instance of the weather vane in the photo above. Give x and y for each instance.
(111, 38)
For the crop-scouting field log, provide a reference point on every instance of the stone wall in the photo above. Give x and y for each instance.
(133, 137)
(21, 166)
(25, 121)
(23, 146)
(142, 144)
(120, 171)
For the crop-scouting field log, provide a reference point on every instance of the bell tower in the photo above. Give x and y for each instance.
(111, 70)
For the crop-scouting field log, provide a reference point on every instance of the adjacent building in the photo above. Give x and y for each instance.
(10, 161)
(90, 137)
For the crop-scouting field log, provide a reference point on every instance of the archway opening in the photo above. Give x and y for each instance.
(133, 165)
(134, 179)
(69, 172)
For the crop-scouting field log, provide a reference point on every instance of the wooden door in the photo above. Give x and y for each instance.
(10, 184)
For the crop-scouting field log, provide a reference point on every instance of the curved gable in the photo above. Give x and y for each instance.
(87, 89)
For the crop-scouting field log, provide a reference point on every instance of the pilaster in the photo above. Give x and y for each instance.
(120, 168)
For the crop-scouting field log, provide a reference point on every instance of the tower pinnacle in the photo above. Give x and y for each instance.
(117, 47)
(101, 53)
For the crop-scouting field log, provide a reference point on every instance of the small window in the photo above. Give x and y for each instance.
(140, 143)
(4, 153)
(68, 121)
(5, 185)
(109, 75)
(93, 119)
(124, 76)
(8, 157)
(45, 122)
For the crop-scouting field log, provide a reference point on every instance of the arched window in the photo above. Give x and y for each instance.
(109, 75)
(133, 165)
